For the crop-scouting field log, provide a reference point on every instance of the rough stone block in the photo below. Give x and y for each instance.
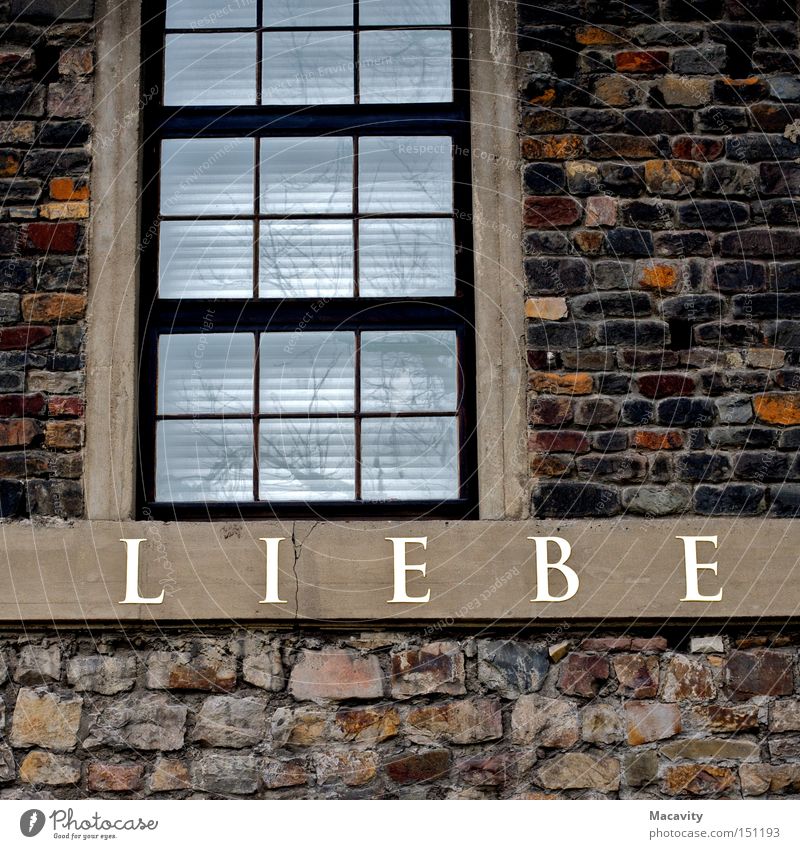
(334, 675)
(433, 668)
(46, 719)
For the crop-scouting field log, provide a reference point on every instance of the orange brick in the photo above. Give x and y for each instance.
(780, 408)
(552, 147)
(546, 98)
(550, 309)
(70, 209)
(671, 178)
(9, 164)
(68, 434)
(596, 35)
(546, 466)
(642, 61)
(663, 277)
(655, 440)
(64, 188)
(561, 384)
(53, 307)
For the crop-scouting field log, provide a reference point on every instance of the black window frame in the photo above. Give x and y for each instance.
(157, 316)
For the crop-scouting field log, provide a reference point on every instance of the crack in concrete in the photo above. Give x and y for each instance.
(297, 546)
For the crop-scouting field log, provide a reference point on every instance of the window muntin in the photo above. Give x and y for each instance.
(307, 53)
(396, 180)
(310, 409)
(325, 254)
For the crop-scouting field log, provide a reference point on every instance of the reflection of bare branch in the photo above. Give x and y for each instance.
(300, 261)
(431, 470)
(312, 459)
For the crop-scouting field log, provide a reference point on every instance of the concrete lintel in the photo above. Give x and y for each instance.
(336, 573)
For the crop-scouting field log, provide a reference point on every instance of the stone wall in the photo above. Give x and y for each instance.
(662, 143)
(391, 715)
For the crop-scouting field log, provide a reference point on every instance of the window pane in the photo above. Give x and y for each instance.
(302, 175)
(206, 259)
(306, 259)
(411, 66)
(307, 372)
(408, 371)
(405, 174)
(409, 458)
(205, 373)
(308, 67)
(210, 14)
(308, 13)
(408, 257)
(204, 461)
(415, 12)
(210, 69)
(207, 176)
(307, 460)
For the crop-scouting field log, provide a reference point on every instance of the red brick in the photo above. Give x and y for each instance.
(61, 237)
(22, 337)
(550, 411)
(657, 440)
(559, 440)
(698, 149)
(22, 405)
(642, 61)
(17, 432)
(65, 405)
(115, 778)
(550, 212)
(665, 385)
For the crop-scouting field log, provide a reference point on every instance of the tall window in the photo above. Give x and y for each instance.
(307, 344)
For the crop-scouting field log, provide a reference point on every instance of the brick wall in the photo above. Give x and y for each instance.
(391, 715)
(661, 142)
(46, 62)
(659, 164)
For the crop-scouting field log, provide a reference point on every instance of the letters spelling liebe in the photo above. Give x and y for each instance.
(401, 568)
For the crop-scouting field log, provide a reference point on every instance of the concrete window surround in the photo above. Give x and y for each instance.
(115, 240)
